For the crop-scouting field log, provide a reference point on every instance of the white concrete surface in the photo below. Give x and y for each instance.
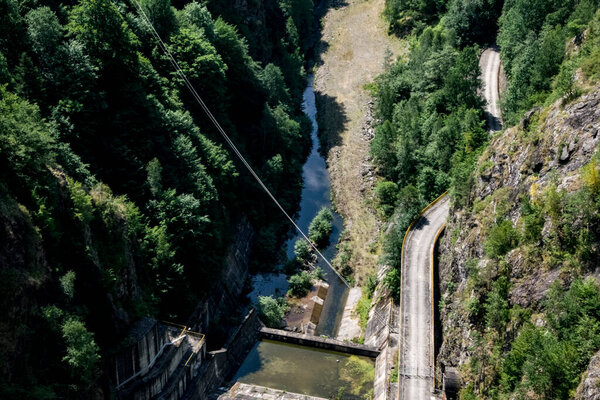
(350, 326)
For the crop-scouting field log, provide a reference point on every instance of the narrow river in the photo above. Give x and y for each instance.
(316, 193)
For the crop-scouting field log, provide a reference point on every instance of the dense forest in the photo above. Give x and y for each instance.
(118, 197)
(432, 138)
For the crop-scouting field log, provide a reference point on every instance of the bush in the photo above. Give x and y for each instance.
(302, 250)
(392, 282)
(364, 303)
(320, 228)
(82, 351)
(501, 239)
(272, 310)
(387, 196)
(300, 284)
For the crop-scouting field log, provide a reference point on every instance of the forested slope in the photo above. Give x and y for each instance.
(118, 197)
(518, 268)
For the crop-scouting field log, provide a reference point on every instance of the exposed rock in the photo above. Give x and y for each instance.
(589, 388)
(549, 146)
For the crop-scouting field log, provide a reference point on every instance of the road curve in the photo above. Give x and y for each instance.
(489, 63)
(416, 359)
(415, 363)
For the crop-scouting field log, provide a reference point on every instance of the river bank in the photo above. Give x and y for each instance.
(349, 59)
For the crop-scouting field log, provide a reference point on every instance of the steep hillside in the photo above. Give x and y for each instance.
(520, 298)
(118, 198)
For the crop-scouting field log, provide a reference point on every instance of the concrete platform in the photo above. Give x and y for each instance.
(319, 342)
(350, 325)
(244, 391)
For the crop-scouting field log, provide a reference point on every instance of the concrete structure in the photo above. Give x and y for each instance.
(450, 384)
(160, 362)
(243, 391)
(350, 325)
(322, 289)
(223, 363)
(319, 342)
(317, 310)
(382, 333)
(305, 313)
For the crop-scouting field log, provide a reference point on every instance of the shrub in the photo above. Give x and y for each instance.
(502, 238)
(392, 282)
(82, 351)
(272, 310)
(300, 284)
(387, 196)
(320, 228)
(302, 250)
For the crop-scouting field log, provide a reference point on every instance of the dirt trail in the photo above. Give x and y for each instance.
(353, 50)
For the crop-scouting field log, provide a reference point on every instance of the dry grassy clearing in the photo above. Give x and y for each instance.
(354, 47)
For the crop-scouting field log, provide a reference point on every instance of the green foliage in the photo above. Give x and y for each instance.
(473, 21)
(82, 202)
(496, 306)
(393, 282)
(67, 282)
(501, 238)
(272, 310)
(387, 195)
(405, 17)
(300, 284)
(532, 37)
(432, 127)
(82, 351)
(25, 140)
(302, 250)
(89, 107)
(364, 303)
(161, 15)
(548, 360)
(320, 227)
(533, 221)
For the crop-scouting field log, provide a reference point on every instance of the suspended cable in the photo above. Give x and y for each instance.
(209, 114)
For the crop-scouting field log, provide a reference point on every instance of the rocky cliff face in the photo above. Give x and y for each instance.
(547, 150)
(589, 388)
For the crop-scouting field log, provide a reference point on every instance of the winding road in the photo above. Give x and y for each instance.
(415, 371)
(489, 63)
(416, 358)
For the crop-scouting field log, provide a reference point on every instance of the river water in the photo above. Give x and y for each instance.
(316, 193)
(306, 370)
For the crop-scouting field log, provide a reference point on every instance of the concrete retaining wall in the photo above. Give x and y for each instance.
(319, 342)
(223, 363)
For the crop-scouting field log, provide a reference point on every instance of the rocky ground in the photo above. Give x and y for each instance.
(550, 145)
(351, 58)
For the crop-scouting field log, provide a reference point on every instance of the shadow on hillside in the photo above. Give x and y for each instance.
(332, 120)
(319, 46)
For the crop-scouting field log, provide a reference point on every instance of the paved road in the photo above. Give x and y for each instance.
(416, 358)
(489, 63)
(415, 364)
